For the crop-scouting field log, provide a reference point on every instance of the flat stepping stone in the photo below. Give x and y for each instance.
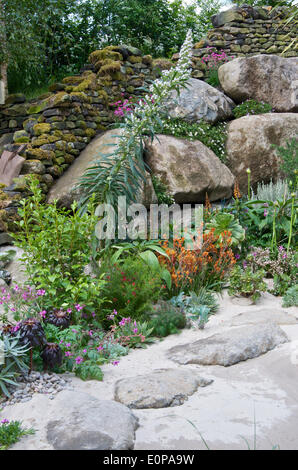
(160, 389)
(230, 347)
(277, 316)
(86, 423)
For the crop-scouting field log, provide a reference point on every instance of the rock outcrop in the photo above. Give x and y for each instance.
(230, 347)
(200, 101)
(250, 145)
(160, 389)
(189, 169)
(267, 78)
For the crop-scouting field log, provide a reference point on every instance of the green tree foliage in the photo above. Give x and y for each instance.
(48, 39)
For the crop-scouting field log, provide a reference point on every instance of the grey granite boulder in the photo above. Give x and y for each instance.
(189, 169)
(230, 347)
(269, 78)
(159, 389)
(200, 101)
(86, 423)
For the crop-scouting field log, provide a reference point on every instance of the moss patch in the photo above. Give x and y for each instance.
(40, 129)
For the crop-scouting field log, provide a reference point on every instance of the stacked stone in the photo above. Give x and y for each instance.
(57, 126)
(246, 31)
(13, 114)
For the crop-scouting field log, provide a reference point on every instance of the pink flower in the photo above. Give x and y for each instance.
(115, 363)
(68, 354)
(79, 360)
(43, 313)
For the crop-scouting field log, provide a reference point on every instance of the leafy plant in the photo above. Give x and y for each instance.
(11, 432)
(161, 191)
(204, 266)
(224, 222)
(246, 283)
(130, 287)
(14, 354)
(57, 248)
(251, 107)
(166, 319)
(214, 136)
(213, 61)
(289, 156)
(281, 265)
(277, 191)
(290, 299)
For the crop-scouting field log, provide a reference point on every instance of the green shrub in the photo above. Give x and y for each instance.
(212, 135)
(289, 156)
(251, 107)
(246, 283)
(130, 287)
(161, 191)
(197, 306)
(167, 319)
(224, 222)
(11, 432)
(290, 298)
(57, 248)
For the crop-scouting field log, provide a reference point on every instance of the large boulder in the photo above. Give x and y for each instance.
(230, 347)
(250, 145)
(159, 389)
(268, 78)
(200, 101)
(86, 423)
(189, 169)
(65, 190)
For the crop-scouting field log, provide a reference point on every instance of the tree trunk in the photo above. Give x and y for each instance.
(3, 83)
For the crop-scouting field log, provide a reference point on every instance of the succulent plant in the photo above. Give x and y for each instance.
(51, 355)
(59, 318)
(32, 333)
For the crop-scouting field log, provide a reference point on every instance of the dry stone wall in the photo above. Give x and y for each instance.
(246, 31)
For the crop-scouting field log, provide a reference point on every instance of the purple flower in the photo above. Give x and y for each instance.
(4, 421)
(99, 348)
(280, 248)
(79, 360)
(68, 354)
(43, 313)
(41, 292)
(265, 213)
(237, 256)
(115, 363)
(78, 307)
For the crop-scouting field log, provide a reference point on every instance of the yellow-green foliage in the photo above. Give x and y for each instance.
(133, 59)
(162, 64)
(42, 128)
(147, 59)
(103, 54)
